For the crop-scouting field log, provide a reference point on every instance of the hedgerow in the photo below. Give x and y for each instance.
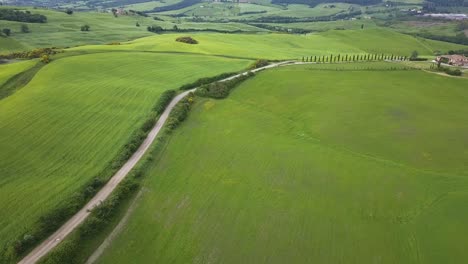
(219, 90)
(207, 80)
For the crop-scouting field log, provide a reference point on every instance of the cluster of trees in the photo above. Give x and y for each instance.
(251, 12)
(21, 16)
(219, 90)
(447, 70)
(188, 40)
(7, 31)
(259, 63)
(85, 28)
(463, 52)
(346, 57)
(155, 29)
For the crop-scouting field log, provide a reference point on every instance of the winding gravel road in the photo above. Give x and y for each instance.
(51, 242)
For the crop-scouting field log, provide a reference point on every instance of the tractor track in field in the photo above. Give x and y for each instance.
(53, 240)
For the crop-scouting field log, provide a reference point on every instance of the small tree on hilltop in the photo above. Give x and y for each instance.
(69, 12)
(85, 28)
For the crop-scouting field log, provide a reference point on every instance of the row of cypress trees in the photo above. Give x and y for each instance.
(351, 58)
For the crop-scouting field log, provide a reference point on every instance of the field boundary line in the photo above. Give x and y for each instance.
(53, 240)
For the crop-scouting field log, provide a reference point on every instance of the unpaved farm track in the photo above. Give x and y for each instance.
(51, 242)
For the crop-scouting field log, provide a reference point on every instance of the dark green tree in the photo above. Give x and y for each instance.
(24, 28)
(6, 31)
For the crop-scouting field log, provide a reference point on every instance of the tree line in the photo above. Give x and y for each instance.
(351, 58)
(21, 16)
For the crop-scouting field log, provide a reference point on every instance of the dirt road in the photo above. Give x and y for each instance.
(51, 242)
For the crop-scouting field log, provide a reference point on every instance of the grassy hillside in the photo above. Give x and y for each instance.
(62, 30)
(301, 166)
(73, 118)
(285, 46)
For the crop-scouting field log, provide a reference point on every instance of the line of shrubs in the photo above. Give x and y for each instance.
(35, 53)
(49, 222)
(101, 216)
(219, 90)
(206, 80)
(450, 71)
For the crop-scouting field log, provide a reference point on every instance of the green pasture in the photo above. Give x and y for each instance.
(63, 30)
(440, 28)
(286, 46)
(327, 25)
(302, 166)
(219, 10)
(73, 118)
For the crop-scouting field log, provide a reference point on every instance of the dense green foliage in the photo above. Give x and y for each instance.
(219, 90)
(206, 80)
(311, 166)
(450, 71)
(32, 54)
(188, 40)
(21, 16)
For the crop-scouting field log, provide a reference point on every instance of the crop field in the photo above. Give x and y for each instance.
(306, 166)
(73, 118)
(285, 46)
(11, 69)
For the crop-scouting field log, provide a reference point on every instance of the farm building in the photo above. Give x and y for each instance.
(458, 60)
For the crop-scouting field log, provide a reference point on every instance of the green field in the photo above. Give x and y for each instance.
(285, 46)
(74, 117)
(301, 166)
(63, 30)
(11, 69)
(228, 10)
